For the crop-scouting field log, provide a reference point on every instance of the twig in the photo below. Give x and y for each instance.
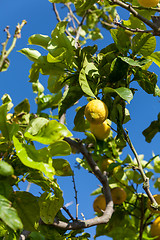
(68, 212)
(79, 29)
(142, 218)
(129, 8)
(79, 224)
(5, 53)
(76, 198)
(145, 179)
(59, 19)
(132, 29)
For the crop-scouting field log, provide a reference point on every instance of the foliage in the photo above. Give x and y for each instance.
(76, 69)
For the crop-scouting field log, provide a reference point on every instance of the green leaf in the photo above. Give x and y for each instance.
(118, 70)
(5, 188)
(36, 125)
(121, 39)
(70, 97)
(6, 169)
(62, 167)
(143, 44)
(36, 235)
(84, 84)
(50, 205)
(40, 40)
(157, 164)
(48, 101)
(83, 6)
(9, 215)
(28, 209)
(151, 131)
(7, 129)
(155, 57)
(32, 55)
(79, 121)
(147, 80)
(49, 133)
(124, 93)
(23, 106)
(59, 148)
(55, 83)
(37, 159)
(34, 72)
(135, 63)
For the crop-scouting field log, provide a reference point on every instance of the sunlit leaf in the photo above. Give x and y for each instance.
(59, 148)
(124, 93)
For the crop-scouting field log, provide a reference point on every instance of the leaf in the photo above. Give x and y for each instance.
(121, 39)
(48, 101)
(152, 130)
(124, 93)
(28, 209)
(6, 169)
(34, 72)
(84, 84)
(157, 164)
(62, 167)
(55, 83)
(135, 63)
(23, 106)
(5, 188)
(36, 124)
(59, 148)
(32, 55)
(155, 57)
(147, 80)
(40, 40)
(143, 44)
(36, 235)
(49, 133)
(118, 70)
(50, 205)
(9, 214)
(79, 121)
(37, 159)
(70, 97)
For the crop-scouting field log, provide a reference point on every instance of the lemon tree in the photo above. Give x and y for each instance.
(84, 92)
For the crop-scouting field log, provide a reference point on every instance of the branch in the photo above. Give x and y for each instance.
(80, 224)
(5, 53)
(145, 179)
(76, 198)
(132, 29)
(129, 8)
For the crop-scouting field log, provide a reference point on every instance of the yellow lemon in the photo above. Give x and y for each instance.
(99, 204)
(118, 195)
(105, 164)
(148, 3)
(96, 111)
(157, 198)
(100, 131)
(155, 228)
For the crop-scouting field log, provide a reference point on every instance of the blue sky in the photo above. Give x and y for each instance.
(143, 108)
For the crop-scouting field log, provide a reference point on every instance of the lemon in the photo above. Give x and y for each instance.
(100, 131)
(96, 111)
(105, 164)
(148, 3)
(118, 195)
(157, 198)
(155, 228)
(99, 204)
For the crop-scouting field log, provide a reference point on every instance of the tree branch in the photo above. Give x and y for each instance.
(145, 179)
(129, 8)
(79, 224)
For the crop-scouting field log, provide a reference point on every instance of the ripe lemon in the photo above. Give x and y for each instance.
(100, 131)
(155, 228)
(99, 204)
(105, 164)
(157, 198)
(148, 3)
(118, 195)
(96, 111)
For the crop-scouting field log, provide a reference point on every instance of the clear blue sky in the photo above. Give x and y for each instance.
(143, 108)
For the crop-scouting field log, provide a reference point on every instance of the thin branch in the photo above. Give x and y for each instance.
(132, 29)
(79, 29)
(76, 198)
(129, 8)
(59, 19)
(68, 212)
(141, 219)
(5, 53)
(79, 224)
(145, 179)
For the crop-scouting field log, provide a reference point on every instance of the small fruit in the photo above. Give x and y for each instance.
(101, 131)
(157, 198)
(99, 204)
(105, 164)
(148, 3)
(96, 111)
(155, 228)
(118, 195)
